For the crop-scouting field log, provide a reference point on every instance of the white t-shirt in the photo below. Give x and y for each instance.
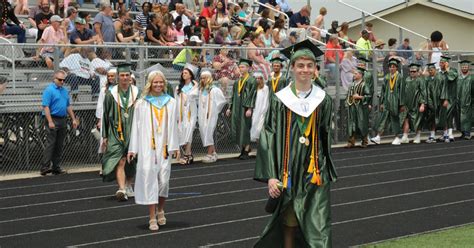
(77, 65)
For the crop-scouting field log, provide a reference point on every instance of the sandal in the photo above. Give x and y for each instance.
(153, 225)
(161, 218)
(186, 160)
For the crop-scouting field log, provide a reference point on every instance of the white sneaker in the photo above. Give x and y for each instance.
(376, 140)
(405, 140)
(396, 141)
(121, 195)
(129, 191)
(209, 158)
(417, 139)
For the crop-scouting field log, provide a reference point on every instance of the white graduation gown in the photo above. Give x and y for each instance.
(153, 170)
(187, 114)
(211, 103)
(259, 112)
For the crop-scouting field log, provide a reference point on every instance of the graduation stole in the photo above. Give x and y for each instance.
(125, 105)
(275, 82)
(392, 81)
(313, 168)
(208, 101)
(185, 89)
(242, 83)
(159, 114)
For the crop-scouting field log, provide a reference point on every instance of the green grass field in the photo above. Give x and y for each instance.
(455, 237)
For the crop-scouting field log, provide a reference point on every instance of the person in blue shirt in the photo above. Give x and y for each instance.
(301, 19)
(56, 107)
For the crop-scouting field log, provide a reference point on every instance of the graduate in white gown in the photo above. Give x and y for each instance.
(211, 102)
(186, 94)
(261, 107)
(99, 111)
(154, 138)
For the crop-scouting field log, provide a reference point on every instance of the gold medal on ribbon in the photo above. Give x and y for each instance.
(125, 115)
(302, 140)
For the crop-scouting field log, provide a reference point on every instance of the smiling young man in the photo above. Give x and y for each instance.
(295, 152)
(117, 124)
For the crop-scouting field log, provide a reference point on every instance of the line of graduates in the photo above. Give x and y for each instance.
(434, 100)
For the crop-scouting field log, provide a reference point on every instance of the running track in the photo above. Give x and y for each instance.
(383, 192)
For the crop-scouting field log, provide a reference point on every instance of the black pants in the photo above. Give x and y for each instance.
(54, 144)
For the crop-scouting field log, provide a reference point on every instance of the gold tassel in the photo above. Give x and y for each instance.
(311, 164)
(285, 180)
(316, 178)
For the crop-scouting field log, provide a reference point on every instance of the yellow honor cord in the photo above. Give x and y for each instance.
(275, 82)
(313, 164)
(158, 113)
(392, 81)
(242, 83)
(119, 127)
(287, 150)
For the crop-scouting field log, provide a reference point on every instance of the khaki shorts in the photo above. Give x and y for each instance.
(289, 217)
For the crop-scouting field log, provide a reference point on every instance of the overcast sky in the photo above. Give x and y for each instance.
(342, 13)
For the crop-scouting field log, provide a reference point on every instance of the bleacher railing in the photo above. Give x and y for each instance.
(22, 125)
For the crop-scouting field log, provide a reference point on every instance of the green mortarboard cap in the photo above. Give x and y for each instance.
(363, 59)
(277, 60)
(445, 58)
(304, 48)
(431, 65)
(124, 67)
(360, 69)
(245, 62)
(393, 61)
(414, 66)
(464, 62)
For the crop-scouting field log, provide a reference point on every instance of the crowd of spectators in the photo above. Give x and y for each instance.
(198, 23)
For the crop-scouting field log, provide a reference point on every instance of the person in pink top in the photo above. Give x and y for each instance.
(54, 34)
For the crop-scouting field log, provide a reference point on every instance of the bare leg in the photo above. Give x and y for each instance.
(152, 211)
(406, 126)
(161, 204)
(289, 236)
(187, 149)
(211, 149)
(247, 148)
(120, 173)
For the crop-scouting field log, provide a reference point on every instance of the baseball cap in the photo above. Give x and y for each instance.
(55, 18)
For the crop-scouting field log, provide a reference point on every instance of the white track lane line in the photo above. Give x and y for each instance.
(229, 172)
(264, 216)
(229, 242)
(402, 160)
(190, 197)
(401, 153)
(200, 167)
(101, 196)
(131, 205)
(132, 218)
(386, 147)
(219, 165)
(417, 234)
(113, 185)
(226, 205)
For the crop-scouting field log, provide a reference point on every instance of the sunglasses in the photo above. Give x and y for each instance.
(413, 71)
(60, 79)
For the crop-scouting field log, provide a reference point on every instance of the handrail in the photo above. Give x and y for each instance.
(287, 22)
(384, 20)
(315, 40)
(339, 38)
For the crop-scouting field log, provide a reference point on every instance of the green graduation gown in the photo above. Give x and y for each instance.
(116, 148)
(464, 88)
(413, 94)
(321, 82)
(369, 81)
(272, 98)
(390, 99)
(450, 78)
(240, 124)
(435, 95)
(358, 111)
(310, 202)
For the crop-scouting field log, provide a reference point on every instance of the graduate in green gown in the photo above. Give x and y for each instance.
(357, 104)
(277, 80)
(368, 77)
(244, 93)
(465, 88)
(390, 98)
(117, 123)
(450, 77)
(294, 150)
(318, 79)
(413, 97)
(436, 99)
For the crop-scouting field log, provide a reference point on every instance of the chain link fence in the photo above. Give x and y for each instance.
(22, 127)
